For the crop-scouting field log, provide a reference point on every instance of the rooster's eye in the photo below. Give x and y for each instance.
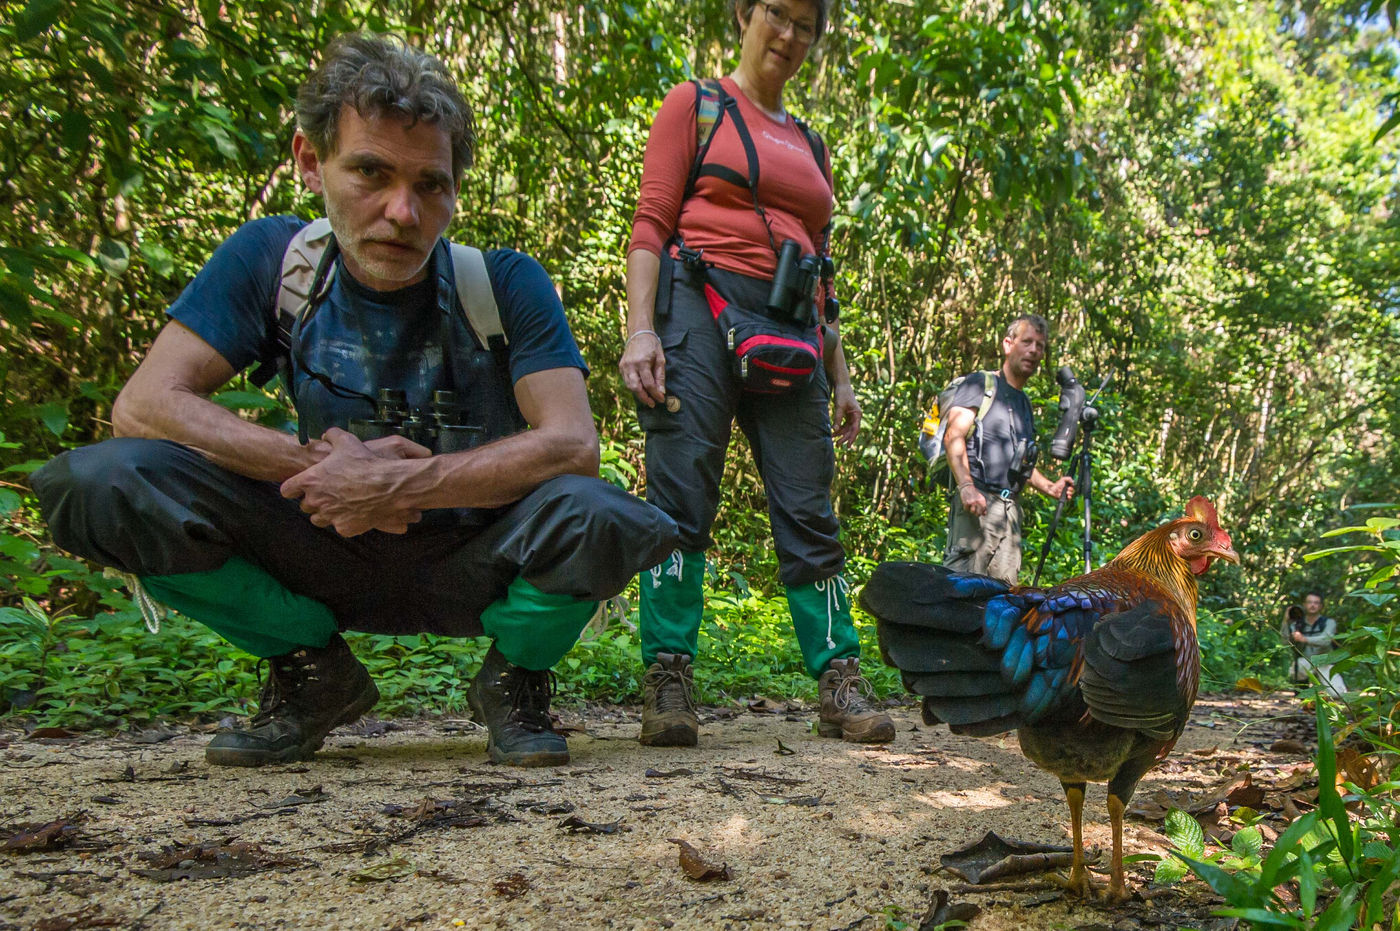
(1195, 534)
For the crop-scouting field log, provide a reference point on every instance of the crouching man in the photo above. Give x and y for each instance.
(279, 544)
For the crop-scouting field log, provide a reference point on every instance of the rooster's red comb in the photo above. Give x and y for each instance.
(1199, 508)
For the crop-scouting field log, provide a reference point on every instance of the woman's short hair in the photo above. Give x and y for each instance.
(739, 11)
(383, 74)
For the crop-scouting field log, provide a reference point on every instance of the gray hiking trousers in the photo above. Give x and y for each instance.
(790, 434)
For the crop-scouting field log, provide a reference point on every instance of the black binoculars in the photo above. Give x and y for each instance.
(440, 429)
(794, 285)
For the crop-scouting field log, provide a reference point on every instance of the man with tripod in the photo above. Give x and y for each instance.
(993, 457)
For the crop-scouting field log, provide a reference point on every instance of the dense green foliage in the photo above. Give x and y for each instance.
(1189, 190)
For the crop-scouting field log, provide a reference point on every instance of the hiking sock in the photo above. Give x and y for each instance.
(246, 606)
(672, 603)
(534, 629)
(821, 616)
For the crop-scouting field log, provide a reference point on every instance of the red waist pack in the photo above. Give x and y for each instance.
(767, 355)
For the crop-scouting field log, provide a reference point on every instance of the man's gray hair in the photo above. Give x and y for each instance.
(1035, 321)
(381, 75)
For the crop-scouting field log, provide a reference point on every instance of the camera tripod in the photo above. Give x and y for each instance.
(1083, 483)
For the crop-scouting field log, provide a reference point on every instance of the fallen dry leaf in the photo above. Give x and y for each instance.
(695, 865)
(397, 868)
(32, 838)
(941, 911)
(1287, 745)
(1357, 768)
(511, 886)
(994, 858)
(576, 825)
(1249, 684)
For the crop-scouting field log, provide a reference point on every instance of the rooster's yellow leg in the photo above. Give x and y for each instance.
(1117, 890)
(1078, 882)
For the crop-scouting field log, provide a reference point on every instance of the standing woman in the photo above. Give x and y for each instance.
(730, 182)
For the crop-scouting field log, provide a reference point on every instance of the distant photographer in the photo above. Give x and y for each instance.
(992, 463)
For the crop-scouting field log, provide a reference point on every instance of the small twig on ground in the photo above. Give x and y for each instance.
(757, 776)
(1005, 887)
(729, 790)
(840, 900)
(853, 924)
(712, 898)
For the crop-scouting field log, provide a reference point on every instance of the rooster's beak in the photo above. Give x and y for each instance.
(1224, 551)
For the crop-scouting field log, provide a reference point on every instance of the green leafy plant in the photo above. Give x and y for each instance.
(1344, 872)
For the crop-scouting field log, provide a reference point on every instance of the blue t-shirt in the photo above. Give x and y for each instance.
(364, 340)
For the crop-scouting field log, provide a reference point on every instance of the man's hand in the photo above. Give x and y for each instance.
(397, 447)
(1058, 488)
(974, 502)
(643, 368)
(1298, 636)
(846, 415)
(356, 487)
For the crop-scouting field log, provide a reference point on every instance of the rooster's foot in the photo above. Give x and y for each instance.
(1076, 883)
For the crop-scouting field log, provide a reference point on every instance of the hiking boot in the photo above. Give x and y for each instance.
(846, 710)
(513, 703)
(308, 693)
(668, 710)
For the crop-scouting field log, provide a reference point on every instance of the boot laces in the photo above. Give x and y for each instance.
(286, 676)
(672, 689)
(530, 691)
(852, 693)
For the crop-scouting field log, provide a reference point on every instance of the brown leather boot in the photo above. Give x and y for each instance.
(668, 708)
(846, 712)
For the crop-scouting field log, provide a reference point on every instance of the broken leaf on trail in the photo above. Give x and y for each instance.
(301, 797)
(769, 706)
(52, 733)
(993, 858)
(576, 825)
(546, 808)
(941, 911)
(804, 801)
(668, 774)
(1249, 684)
(210, 861)
(33, 838)
(511, 886)
(783, 749)
(699, 867)
(397, 868)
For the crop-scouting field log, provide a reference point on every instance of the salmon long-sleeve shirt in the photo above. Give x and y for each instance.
(719, 217)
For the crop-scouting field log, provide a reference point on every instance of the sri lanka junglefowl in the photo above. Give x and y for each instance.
(1097, 674)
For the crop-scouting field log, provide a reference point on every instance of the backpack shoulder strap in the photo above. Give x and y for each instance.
(301, 269)
(989, 394)
(710, 101)
(476, 297)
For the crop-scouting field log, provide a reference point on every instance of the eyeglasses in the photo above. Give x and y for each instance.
(779, 18)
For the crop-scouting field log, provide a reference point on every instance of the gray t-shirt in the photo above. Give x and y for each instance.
(1004, 435)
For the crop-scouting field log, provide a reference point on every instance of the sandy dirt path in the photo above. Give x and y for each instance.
(404, 824)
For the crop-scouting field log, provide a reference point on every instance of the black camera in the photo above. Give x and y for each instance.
(1024, 454)
(1071, 412)
(794, 285)
(440, 429)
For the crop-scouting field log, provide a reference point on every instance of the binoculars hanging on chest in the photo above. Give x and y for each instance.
(441, 428)
(794, 289)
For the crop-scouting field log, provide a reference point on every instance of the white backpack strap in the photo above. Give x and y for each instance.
(475, 295)
(299, 264)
